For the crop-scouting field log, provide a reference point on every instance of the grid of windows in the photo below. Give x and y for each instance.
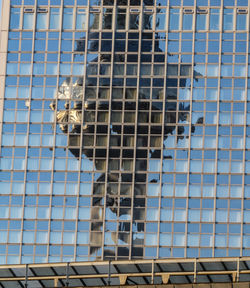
(125, 130)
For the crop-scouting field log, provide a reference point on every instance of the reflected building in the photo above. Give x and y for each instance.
(125, 130)
(132, 128)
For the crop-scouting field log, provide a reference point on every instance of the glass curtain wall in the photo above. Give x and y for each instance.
(125, 130)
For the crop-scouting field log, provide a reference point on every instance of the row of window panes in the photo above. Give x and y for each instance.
(171, 142)
(51, 35)
(202, 47)
(40, 45)
(131, 68)
(194, 216)
(144, 93)
(59, 212)
(39, 69)
(153, 214)
(195, 154)
(149, 23)
(143, 136)
(130, 35)
(86, 177)
(127, 2)
(167, 190)
(20, 154)
(127, 105)
(225, 59)
(159, 38)
(57, 225)
(210, 118)
(209, 166)
(118, 69)
(69, 201)
(198, 111)
(59, 201)
(106, 46)
(127, 176)
(140, 176)
(147, 253)
(193, 240)
(85, 189)
(173, 58)
(234, 202)
(104, 93)
(208, 155)
(44, 57)
(209, 70)
(28, 19)
(138, 2)
(60, 254)
(53, 2)
(121, 2)
(198, 82)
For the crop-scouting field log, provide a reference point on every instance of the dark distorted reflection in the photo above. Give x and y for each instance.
(120, 126)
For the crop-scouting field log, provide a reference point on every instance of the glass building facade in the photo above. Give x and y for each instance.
(124, 129)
